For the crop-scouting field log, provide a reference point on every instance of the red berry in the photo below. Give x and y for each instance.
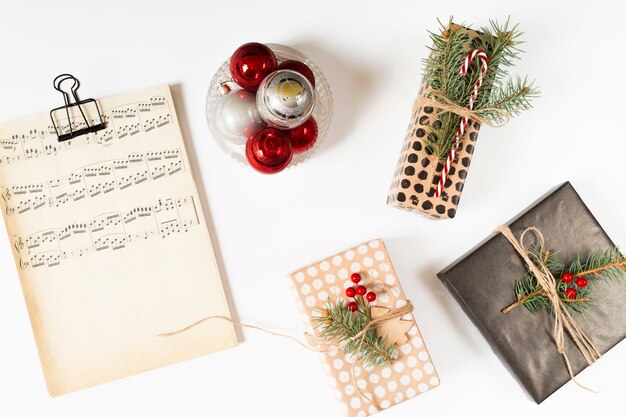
(567, 277)
(361, 290)
(581, 282)
(350, 292)
(352, 306)
(571, 293)
(371, 296)
(356, 277)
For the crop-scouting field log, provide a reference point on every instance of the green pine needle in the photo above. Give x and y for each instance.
(498, 93)
(608, 265)
(601, 266)
(338, 325)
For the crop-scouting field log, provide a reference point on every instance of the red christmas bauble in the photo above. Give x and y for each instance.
(251, 63)
(269, 150)
(352, 306)
(370, 296)
(361, 290)
(356, 277)
(350, 292)
(567, 277)
(300, 67)
(304, 136)
(571, 293)
(581, 282)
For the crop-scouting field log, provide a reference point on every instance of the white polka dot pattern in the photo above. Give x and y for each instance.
(411, 374)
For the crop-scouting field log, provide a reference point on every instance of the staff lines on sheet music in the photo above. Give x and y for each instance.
(42, 142)
(78, 184)
(137, 112)
(110, 230)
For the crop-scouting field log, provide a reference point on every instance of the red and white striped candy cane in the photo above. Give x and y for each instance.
(480, 54)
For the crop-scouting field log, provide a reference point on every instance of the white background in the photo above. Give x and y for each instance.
(266, 226)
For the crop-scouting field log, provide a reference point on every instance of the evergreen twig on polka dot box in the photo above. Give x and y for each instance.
(347, 290)
(466, 85)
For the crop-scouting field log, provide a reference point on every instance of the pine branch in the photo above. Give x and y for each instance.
(337, 324)
(540, 294)
(604, 264)
(512, 99)
(608, 264)
(441, 74)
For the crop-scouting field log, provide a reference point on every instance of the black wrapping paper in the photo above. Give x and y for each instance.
(483, 283)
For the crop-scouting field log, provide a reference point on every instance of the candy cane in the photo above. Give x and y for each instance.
(476, 53)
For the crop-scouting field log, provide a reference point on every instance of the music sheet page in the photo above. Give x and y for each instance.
(110, 242)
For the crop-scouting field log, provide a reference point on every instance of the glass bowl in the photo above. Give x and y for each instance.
(322, 113)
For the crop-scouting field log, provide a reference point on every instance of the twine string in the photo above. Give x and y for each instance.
(563, 319)
(390, 315)
(248, 326)
(442, 103)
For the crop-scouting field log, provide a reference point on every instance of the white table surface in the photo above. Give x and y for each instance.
(267, 226)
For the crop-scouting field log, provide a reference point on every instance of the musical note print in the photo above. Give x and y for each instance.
(91, 181)
(108, 231)
(6, 200)
(121, 122)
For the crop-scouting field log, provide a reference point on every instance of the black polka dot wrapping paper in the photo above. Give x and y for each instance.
(418, 170)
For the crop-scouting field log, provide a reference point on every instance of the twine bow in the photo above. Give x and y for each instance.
(563, 320)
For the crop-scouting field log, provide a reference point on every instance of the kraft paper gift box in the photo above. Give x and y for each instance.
(418, 170)
(483, 282)
(412, 372)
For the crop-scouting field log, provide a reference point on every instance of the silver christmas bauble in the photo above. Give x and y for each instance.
(236, 115)
(285, 99)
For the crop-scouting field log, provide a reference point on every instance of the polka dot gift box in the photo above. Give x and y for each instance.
(354, 288)
(457, 96)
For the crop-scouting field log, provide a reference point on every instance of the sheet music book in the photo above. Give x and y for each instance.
(110, 243)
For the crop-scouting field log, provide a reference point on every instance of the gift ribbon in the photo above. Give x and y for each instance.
(563, 320)
(460, 131)
(393, 313)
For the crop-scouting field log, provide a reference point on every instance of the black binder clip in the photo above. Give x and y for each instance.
(77, 127)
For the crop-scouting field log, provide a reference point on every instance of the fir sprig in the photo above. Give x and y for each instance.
(601, 266)
(498, 100)
(337, 324)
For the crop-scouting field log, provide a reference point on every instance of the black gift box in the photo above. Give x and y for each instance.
(483, 282)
